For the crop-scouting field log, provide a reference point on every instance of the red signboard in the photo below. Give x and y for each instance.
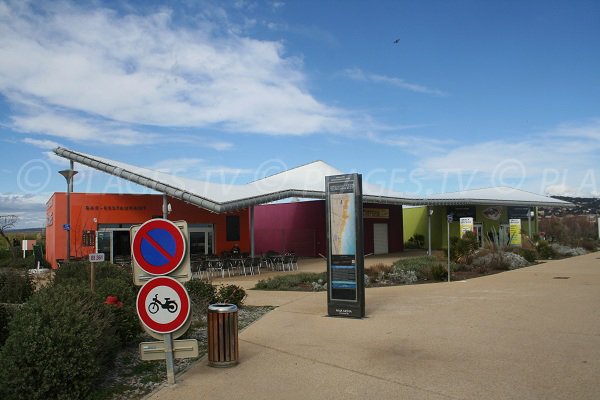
(158, 247)
(163, 304)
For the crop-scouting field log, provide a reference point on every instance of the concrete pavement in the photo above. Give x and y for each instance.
(532, 333)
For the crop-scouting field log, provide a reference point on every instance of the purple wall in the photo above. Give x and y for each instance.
(297, 227)
(300, 227)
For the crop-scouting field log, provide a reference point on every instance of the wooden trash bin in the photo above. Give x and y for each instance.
(222, 335)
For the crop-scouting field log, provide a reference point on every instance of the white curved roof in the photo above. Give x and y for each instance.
(307, 181)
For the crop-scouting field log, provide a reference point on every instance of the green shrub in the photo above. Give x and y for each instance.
(231, 294)
(127, 323)
(590, 245)
(422, 266)
(59, 345)
(72, 272)
(439, 272)
(7, 311)
(21, 263)
(15, 286)
(527, 254)
(415, 242)
(545, 251)
(301, 281)
(378, 271)
(202, 294)
(462, 249)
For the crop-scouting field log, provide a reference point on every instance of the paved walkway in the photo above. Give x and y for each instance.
(525, 334)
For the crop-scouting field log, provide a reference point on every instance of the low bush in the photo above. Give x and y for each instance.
(72, 272)
(439, 272)
(484, 261)
(202, 294)
(422, 267)
(59, 345)
(462, 249)
(545, 251)
(231, 294)
(7, 311)
(124, 312)
(415, 242)
(590, 245)
(403, 277)
(378, 271)
(15, 286)
(110, 280)
(566, 251)
(301, 281)
(527, 254)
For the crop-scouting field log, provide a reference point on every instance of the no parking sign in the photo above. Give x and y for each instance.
(159, 247)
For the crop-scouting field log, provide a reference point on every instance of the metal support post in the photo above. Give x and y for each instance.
(529, 222)
(448, 223)
(170, 358)
(168, 338)
(69, 174)
(429, 212)
(252, 231)
(165, 207)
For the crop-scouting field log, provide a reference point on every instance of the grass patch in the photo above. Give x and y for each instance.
(294, 282)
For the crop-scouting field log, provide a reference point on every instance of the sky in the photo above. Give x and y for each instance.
(420, 97)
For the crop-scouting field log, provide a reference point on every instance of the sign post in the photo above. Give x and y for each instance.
(163, 304)
(450, 219)
(345, 252)
(94, 258)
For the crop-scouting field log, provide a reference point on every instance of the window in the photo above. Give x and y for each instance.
(233, 228)
(89, 238)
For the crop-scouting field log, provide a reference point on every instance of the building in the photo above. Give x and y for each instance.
(221, 216)
(100, 223)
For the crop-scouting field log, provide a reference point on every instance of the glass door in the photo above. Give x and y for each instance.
(201, 241)
(478, 229)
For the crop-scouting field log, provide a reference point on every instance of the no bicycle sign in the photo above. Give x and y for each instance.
(163, 305)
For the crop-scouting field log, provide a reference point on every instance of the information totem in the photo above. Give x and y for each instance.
(345, 250)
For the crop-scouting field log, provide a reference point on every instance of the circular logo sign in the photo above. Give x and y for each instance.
(158, 247)
(163, 304)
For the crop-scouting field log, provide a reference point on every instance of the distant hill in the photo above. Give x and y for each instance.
(587, 206)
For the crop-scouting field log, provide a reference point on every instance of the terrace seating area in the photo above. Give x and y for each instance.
(235, 263)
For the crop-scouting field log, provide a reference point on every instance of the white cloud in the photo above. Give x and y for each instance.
(42, 144)
(563, 159)
(413, 144)
(359, 75)
(98, 75)
(29, 208)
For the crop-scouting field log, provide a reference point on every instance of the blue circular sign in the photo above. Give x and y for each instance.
(158, 247)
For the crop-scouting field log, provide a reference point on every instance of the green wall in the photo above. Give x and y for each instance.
(415, 221)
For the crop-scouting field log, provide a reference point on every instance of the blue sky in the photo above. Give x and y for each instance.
(474, 93)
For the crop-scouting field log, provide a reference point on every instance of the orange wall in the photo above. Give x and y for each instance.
(126, 209)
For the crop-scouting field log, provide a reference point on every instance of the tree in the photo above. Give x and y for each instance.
(7, 222)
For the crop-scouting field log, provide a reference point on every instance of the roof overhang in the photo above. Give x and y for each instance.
(251, 196)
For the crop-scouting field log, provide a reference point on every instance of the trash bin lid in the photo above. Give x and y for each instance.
(222, 307)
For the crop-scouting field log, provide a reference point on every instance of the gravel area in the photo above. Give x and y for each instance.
(132, 378)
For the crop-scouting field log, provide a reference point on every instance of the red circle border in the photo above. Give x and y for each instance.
(143, 312)
(180, 245)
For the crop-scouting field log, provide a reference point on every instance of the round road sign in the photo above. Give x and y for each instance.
(163, 304)
(158, 247)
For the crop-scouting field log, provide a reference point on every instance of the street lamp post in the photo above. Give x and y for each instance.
(429, 214)
(68, 174)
